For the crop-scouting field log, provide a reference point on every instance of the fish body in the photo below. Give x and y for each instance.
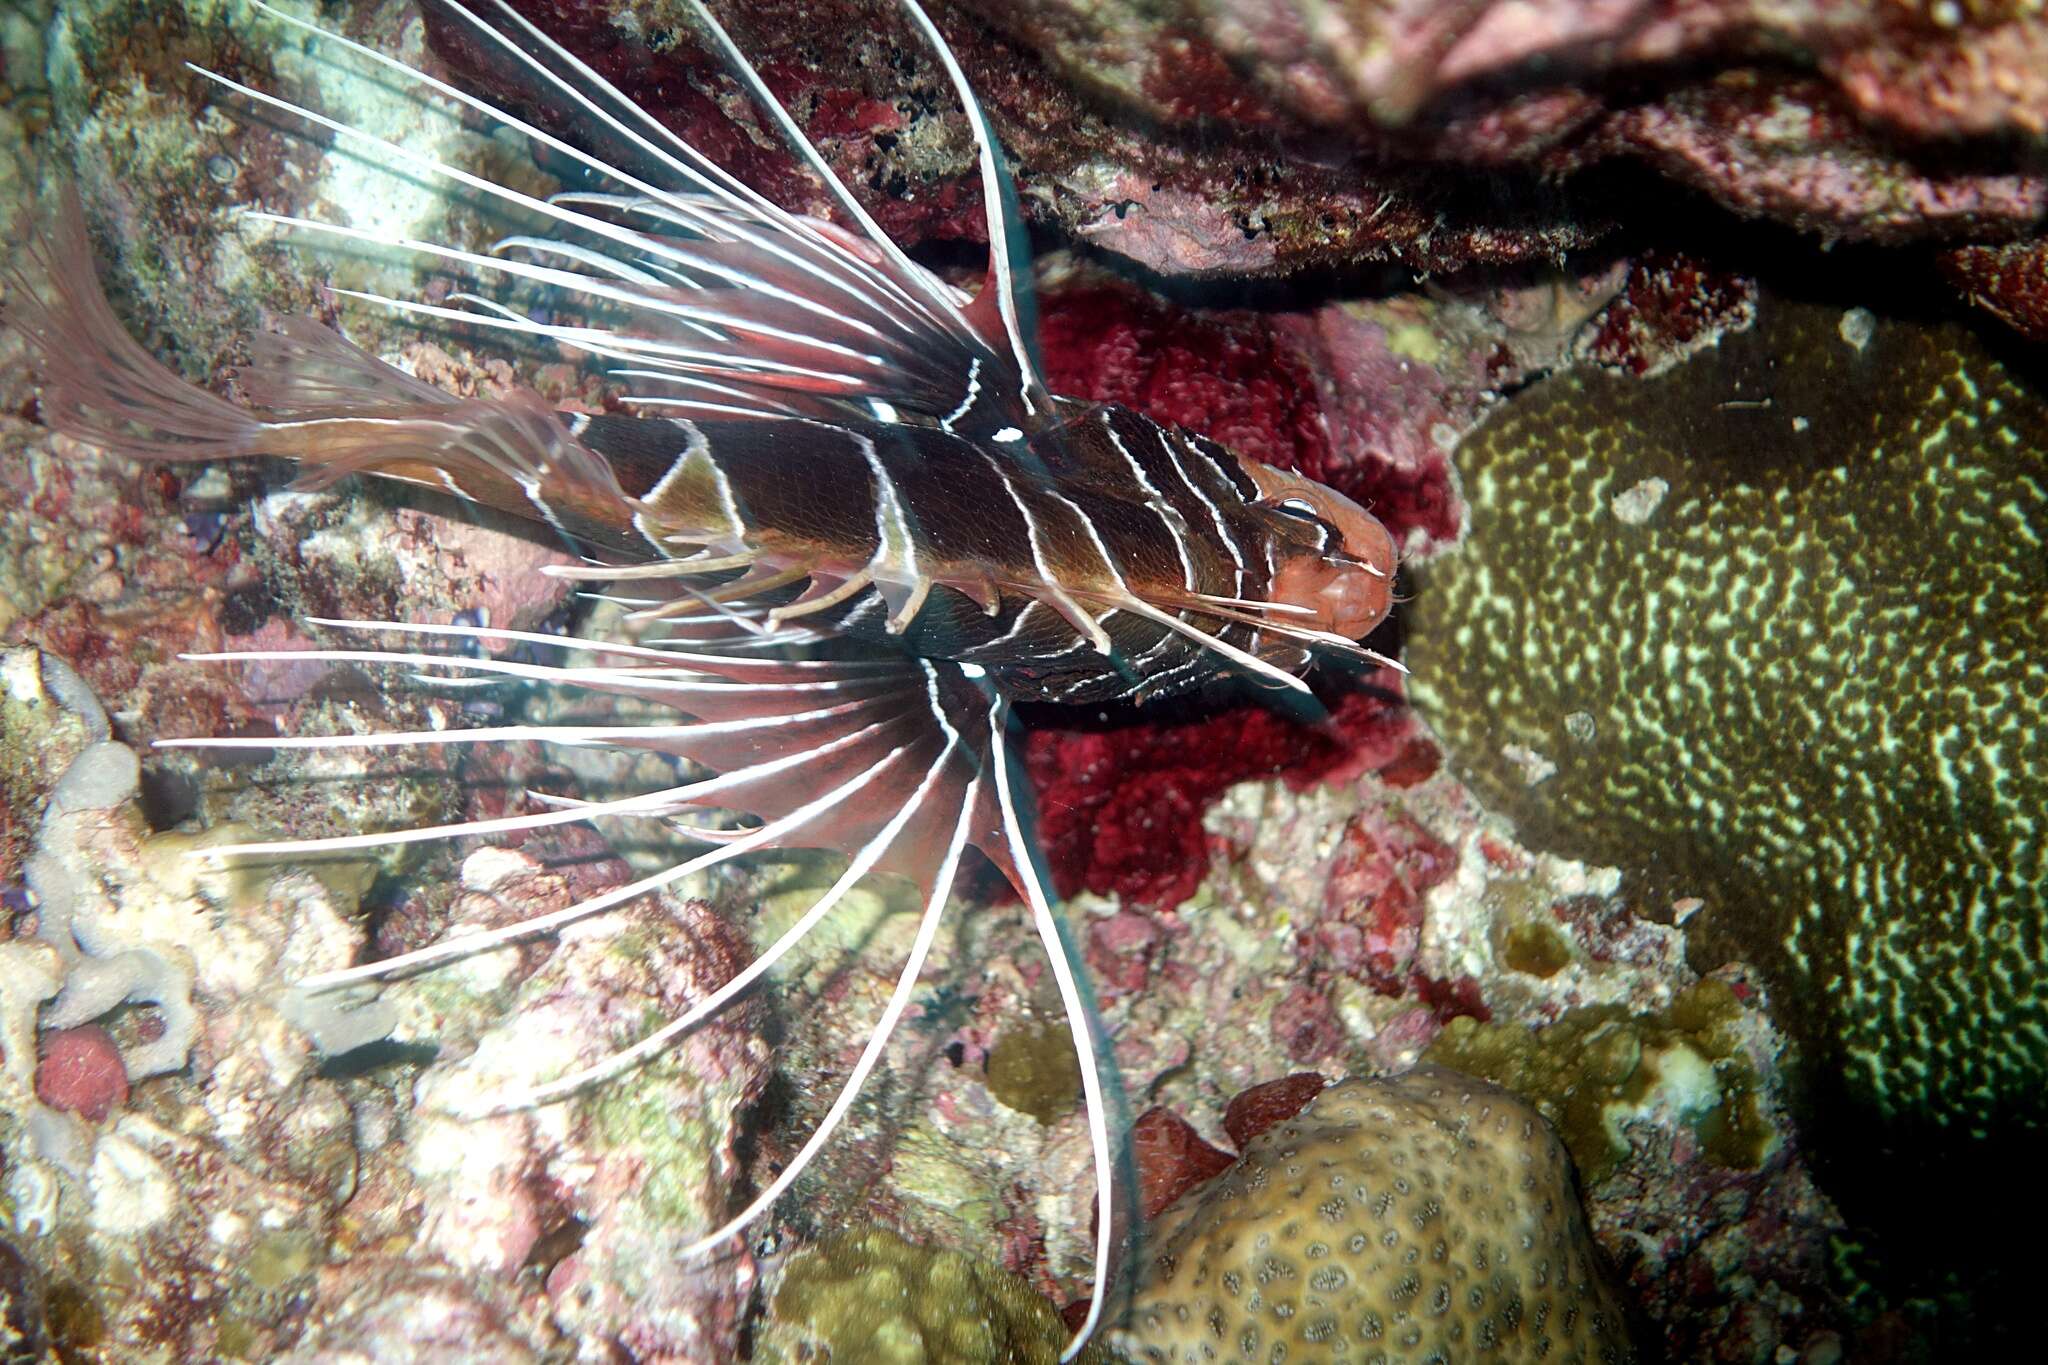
(856, 527)
(953, 549)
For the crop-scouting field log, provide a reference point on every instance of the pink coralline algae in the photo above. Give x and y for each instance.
(1120, 809)
(1255, 1110)
(1230, 376)
(1780, 149)
(1372, 906)
(81, 1072)
(1171, 1158)
(2010, 282)
(1670, 306)
(1975, 70)
(1815, 114)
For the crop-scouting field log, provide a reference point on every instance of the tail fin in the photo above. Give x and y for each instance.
(320, 400)
(104, 388)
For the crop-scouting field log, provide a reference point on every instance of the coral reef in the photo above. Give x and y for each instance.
(596, 1198)
(226, 1168)
(1797, 600)
(174, 1121)
(1375, 922)
(1427, 1215)
(198, 1142)
(869, 1295)
(1802, 717)
(379, 1309)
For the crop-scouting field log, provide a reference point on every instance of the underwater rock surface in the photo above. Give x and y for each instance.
(1236, 137)
(1768, 633)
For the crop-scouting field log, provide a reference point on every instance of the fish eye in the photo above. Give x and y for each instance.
(1300, 508)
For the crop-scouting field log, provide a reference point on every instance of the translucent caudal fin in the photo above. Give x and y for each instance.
(102, 386)
(320, 400)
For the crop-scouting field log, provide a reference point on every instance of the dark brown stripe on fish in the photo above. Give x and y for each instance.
(1114, 506)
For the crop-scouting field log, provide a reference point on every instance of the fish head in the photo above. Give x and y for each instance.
(1334, 558)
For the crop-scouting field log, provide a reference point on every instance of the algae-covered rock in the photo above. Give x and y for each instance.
(1032, 1069)
(1598, 1068)
(1768, 632)
(871, 1298)
(1425, 1216)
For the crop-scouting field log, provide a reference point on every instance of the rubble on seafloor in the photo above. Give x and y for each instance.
(249, 1137)
(197, 1162)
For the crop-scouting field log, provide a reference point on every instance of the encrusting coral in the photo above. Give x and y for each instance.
(871, 1297)
(82, 964)
(1421, 1217)
(1599, 1067)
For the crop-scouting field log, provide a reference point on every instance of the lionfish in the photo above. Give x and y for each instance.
(864, 529)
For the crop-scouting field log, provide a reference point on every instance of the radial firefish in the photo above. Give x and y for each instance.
(859, 526)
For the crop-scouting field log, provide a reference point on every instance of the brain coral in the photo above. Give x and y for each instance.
(1769, 631)
(1425, 1217)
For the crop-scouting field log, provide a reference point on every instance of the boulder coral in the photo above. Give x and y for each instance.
(1425, 1216)
(1766, 633)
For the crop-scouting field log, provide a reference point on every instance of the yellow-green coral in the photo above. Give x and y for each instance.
(1032, 1068)
(1597, 1068)
(871, 1298)
(1422, 1217)
(1534, 947)
(1768, 631)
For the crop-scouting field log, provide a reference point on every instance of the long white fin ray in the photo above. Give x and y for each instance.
(1009, 257)
(737, 62)
(662, 279)
(871, 1055)
(1078, 1027)
(705, 213)
(876, 286)
(467, 944)
(863, 862)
